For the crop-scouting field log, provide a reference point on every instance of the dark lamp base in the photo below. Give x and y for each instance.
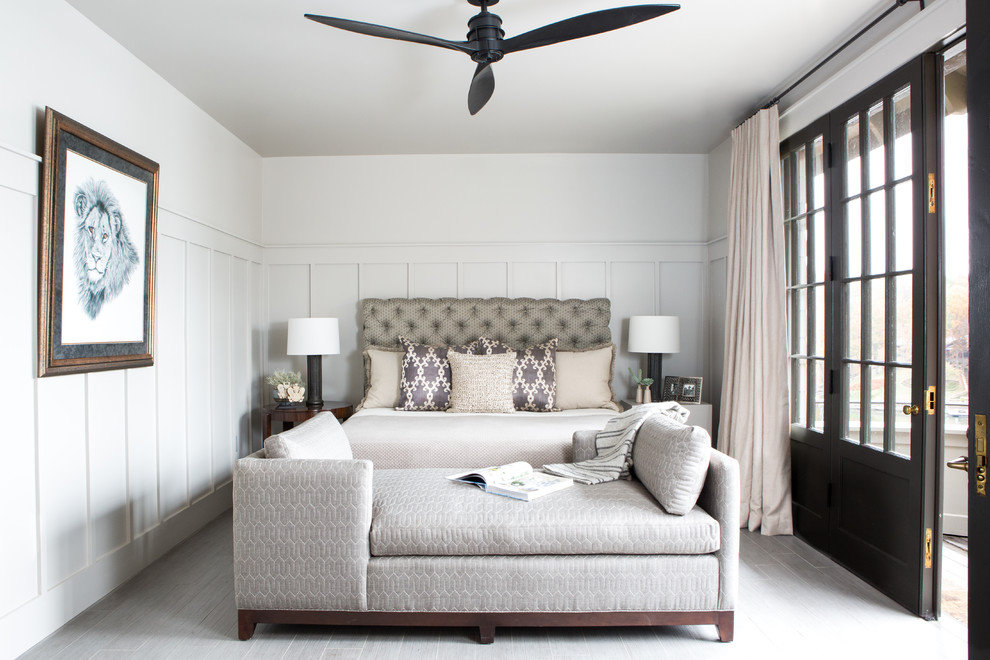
(314, 382)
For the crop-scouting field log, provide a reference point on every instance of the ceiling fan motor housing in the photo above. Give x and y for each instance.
(486, 30)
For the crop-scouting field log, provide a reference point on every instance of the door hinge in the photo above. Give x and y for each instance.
(928, 547)
(831, 381)
(831, 269)
(828, 155)
(931, 192)
(930, 400)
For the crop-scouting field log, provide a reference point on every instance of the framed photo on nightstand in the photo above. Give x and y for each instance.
(671, 388)
(681, 389)
(690, 390)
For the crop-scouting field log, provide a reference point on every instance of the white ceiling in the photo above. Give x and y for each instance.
(287, 86)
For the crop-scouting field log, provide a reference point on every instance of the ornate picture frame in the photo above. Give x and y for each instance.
(671, 388)
(96, 283)
(690, 390)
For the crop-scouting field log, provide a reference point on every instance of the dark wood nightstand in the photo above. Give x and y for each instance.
(290, 416)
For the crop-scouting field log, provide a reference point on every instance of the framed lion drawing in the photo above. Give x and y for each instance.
(97, 259)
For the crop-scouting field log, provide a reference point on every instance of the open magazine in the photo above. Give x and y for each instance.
(516, 480)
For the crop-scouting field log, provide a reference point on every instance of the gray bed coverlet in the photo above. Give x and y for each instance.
(394, 439)
(419, 512)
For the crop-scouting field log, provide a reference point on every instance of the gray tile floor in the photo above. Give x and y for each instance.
(794, 602)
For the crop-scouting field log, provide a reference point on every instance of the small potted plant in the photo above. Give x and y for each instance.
(287, 387)
(637, 377)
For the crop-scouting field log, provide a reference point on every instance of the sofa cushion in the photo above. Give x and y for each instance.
(420, 512)
(671, 459)
(320, 436)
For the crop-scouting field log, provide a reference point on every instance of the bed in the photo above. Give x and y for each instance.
(583, 361)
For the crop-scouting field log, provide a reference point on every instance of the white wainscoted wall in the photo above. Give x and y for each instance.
(629, 227)
(104, 472)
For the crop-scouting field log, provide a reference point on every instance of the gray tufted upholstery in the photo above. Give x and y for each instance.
(518, 322)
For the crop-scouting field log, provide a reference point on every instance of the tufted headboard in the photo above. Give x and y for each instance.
(518, 322)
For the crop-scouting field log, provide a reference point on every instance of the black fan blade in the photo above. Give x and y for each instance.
(585, 25)
(482, 87)
(390, 33)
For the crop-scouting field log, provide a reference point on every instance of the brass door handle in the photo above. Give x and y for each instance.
(911, 409)
(961, 463)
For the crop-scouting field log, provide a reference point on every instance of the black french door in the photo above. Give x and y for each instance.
(863, 309)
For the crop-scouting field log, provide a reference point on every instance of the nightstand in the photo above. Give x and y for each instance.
(701, 413)
(294, 414)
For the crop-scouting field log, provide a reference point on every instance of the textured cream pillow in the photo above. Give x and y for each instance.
(382, 373)
(584, 378)
(320, 436)
(482, 383)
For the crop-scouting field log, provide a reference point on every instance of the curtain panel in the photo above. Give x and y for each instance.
(755, 400)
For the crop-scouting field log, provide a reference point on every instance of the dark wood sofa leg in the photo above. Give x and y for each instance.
(725, 625)
(245, 624)
(486, 633)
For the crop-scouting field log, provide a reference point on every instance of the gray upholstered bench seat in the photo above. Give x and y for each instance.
(420, 513)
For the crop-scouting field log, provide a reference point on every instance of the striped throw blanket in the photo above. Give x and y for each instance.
(614, 444)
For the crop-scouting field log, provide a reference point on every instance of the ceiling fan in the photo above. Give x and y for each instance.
(485, 43)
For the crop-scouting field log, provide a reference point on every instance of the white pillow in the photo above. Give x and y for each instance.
(584, 378)
(383, 374)
(320, 436)
(482, 383)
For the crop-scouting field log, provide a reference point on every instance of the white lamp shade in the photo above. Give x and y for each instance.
(654, 334)
(313, 337)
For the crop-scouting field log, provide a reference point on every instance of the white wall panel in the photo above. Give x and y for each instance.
(335, 295)
(633, 293)
(259, 338)
(288, 297)
(240, 357)
(484, 280)
(533, 279)
(64, 480)
(434, 280)
(583, 280)
(384, 281)
(142, 449)
(220, 357)
(18, 469)
(682, 294)
(170, 364)
(198, 377)
(717, 287)
(106, 398)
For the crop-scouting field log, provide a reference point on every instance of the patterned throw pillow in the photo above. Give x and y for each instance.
(534, 387)
(425, 381)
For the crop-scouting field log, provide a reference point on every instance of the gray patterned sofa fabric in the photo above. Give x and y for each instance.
(303, 534)
(301, 531)
(544, 583)
(518, 322)
(419, 512)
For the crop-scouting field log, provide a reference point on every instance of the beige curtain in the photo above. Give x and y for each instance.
(755, 413)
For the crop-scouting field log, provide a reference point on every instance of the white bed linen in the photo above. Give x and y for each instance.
(402, 439)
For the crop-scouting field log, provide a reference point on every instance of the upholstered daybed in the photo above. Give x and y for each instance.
(336, 542)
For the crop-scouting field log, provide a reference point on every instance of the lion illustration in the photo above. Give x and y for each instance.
(103, 253)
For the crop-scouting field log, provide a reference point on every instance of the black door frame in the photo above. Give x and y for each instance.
(978, 102)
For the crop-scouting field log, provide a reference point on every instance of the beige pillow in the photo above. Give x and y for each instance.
(382, 373)
(584, 378)
(320, 436)
(482, 383)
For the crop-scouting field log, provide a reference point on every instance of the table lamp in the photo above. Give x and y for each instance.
(654, 335)
(313, 338)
